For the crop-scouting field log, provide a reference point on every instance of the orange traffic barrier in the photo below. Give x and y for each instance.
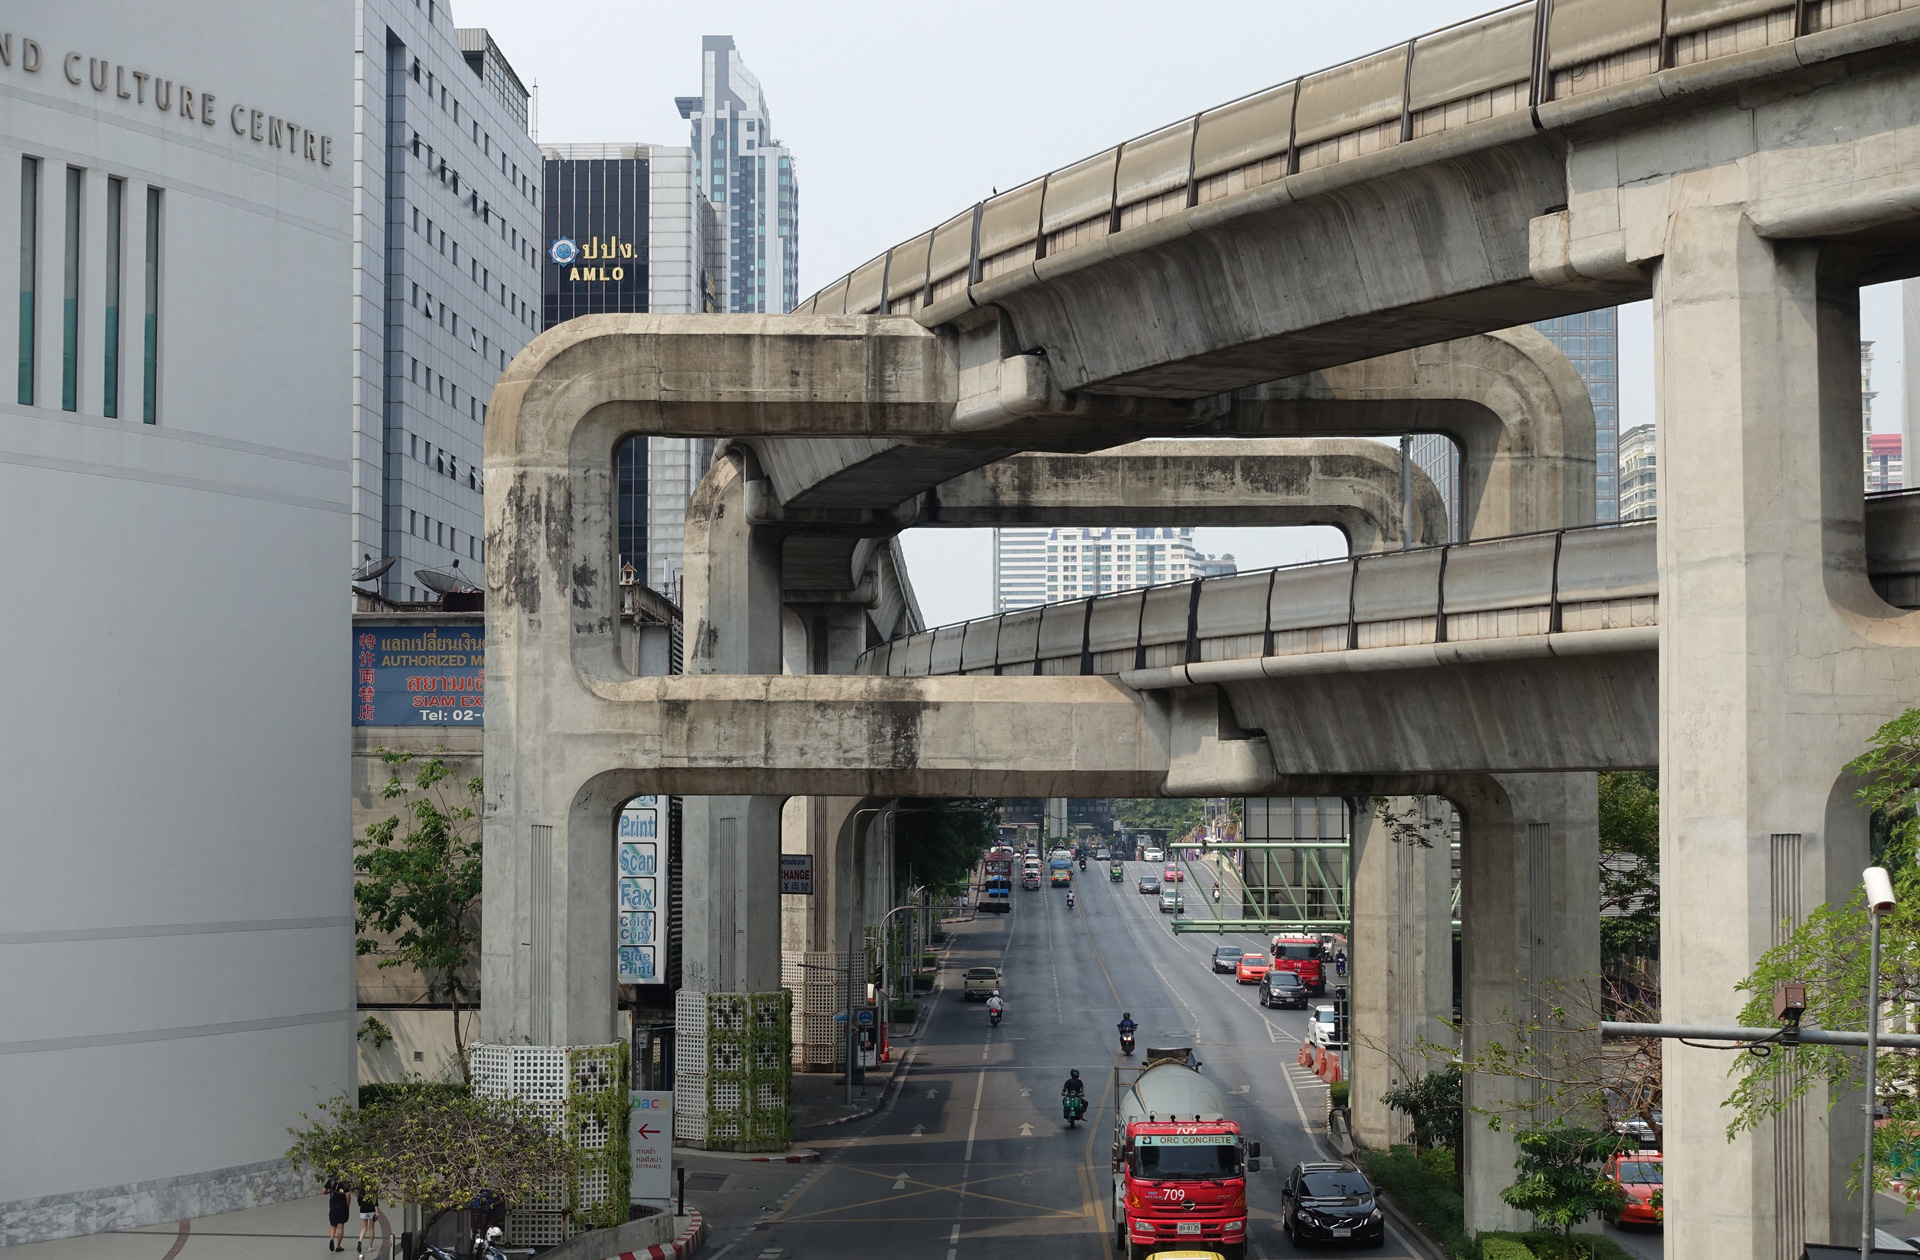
(1301, 1058)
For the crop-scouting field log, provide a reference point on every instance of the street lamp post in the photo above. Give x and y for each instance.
(1879, 889)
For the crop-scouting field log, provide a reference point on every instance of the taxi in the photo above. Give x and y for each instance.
(1640, 1175)
(1173, 875)
(1252, 968)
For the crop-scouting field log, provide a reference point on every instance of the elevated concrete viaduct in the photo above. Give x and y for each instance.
(1747, 164)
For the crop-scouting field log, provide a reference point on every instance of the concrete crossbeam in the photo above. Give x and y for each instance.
(1353, 485)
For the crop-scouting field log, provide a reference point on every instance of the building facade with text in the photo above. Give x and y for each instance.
(176, 191)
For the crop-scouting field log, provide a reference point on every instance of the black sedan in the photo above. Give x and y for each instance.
(1328, 1202)
(1284, 990)
(1148, 884)
(1226, 957)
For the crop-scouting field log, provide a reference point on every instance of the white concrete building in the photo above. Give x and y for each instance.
(1044, 566)
(750, 178)
(446, 276)
(176, 919)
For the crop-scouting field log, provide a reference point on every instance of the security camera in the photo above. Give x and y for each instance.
(1879, 890)
(1790, 1003)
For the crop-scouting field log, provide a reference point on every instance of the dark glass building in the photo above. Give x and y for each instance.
(596, 256)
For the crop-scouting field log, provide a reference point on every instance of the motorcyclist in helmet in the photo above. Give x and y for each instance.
(1069, 898)
(994, 1004)
(1074, 1087)
(1127, 1026)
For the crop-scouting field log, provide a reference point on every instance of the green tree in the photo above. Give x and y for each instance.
(1179, 815)
(938, 842)
(419, 881)
(1629, 867)
(1829, 954)
(1434, 1103)
(1560, 1181)
(440, 1148)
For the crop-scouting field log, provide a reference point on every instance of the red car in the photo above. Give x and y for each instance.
(1252, 969)
(1174, 874)
(1640, 1174)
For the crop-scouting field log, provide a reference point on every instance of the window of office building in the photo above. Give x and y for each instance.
(29, 270)
(630, 506)
(110, 367)
(150, 368)
(70, 297)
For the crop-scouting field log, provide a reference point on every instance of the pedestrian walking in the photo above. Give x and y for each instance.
(369, 1213)
(337, 1208)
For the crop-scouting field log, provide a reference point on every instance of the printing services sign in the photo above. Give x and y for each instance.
(640, 889)
(415, 675)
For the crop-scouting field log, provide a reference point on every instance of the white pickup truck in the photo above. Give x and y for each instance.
(979, 983)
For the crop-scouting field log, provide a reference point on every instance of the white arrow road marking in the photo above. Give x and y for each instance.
(933, 1093)
(919, 1130)
(900, 1181)
(1026, 1093)
(1026, 1130)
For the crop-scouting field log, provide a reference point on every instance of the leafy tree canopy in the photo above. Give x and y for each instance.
(939, 841)
(1560, 1180)
(439, 1148)
(1629, 866)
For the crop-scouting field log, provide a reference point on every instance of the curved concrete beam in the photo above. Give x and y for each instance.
(1513, 403)
(1351, 484)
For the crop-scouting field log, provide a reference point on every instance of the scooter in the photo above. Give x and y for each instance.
(1083, 864)
(1069, 899)
(1074, 1107)
(993, 1019)
(1126, 1044)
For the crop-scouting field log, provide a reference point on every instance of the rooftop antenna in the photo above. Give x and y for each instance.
(533, 113)
(444, 583)
(372, 569)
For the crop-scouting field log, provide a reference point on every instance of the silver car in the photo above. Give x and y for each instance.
(1170, 902)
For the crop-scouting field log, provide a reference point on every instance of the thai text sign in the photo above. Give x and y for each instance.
(639, 890)
(650, 1142)
(409, 675)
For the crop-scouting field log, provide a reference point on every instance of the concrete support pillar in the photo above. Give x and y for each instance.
(731, 928)
(821, 639)
(1401, 959)
(1529, 914)
(1776, 663)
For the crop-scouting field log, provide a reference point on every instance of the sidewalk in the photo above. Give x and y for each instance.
(296, 1229)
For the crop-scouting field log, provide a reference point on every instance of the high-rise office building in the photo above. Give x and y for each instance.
(749, 177)
(629, 231)
(1639, 481)
(1591, 342)
(1045, 566)
(446, 278)
(1885, 470)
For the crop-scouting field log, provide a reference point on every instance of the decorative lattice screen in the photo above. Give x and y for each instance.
(582, 1092)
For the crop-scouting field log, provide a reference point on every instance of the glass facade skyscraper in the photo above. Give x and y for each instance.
(750, 178)
(596, 258)
(1591, 342)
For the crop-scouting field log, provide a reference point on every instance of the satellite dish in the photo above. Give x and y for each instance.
(444, 583)
(373, 569)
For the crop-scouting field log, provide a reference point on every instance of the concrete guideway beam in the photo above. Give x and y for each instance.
(1512, 403)
(1351, 484)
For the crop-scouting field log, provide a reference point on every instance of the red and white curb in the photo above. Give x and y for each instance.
(685, 1245)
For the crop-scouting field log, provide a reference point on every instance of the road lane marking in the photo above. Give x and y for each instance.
(954, 1237)
(974, 1124)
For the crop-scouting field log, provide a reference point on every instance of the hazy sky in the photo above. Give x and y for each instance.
(902, 114)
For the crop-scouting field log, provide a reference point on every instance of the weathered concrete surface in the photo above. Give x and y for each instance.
(1529, 915)
(1351, 484)
(730, 936)
(1401, 959)
(1778, 659)
(1512, 403)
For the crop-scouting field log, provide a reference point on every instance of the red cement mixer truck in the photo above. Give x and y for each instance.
(1179, 1165)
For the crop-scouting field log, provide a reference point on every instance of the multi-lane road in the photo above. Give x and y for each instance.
(972, 1159)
